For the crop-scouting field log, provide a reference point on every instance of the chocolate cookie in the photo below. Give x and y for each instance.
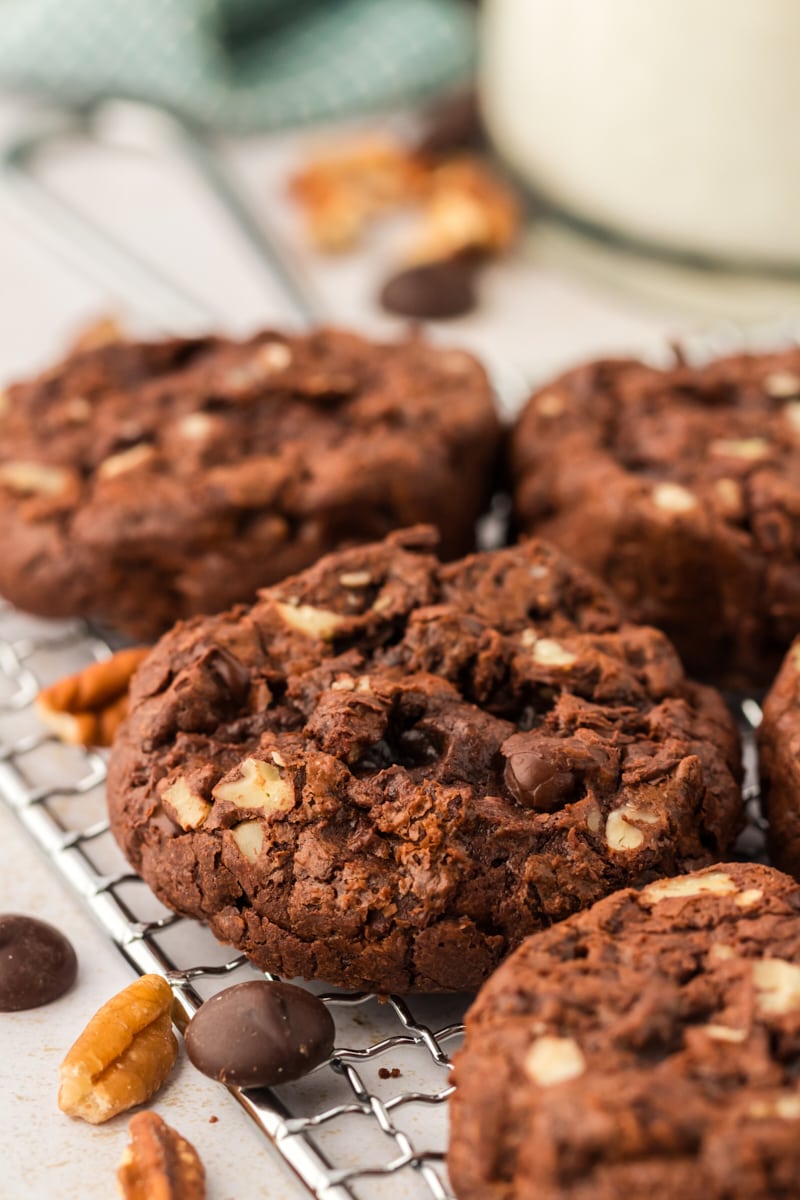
(779, 763)
(645, 1048)
(140, 483)
(387, 772)
(681, 488)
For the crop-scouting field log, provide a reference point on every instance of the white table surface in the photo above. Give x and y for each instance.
(556, 301)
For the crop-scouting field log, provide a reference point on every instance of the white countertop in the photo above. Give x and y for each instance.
(554, 303)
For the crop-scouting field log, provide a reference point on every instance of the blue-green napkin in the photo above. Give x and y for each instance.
(239, 65)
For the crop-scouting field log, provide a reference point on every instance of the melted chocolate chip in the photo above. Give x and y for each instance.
(226, 670)
(259, 1034)
(37, 963)
(432, 291)
(452, 124)
(537, 783)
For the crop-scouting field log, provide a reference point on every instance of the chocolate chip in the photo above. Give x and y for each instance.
(536, 782)
(37, 963)
(451, 124)
(432, 291)
(259, 1034)
(232, 676)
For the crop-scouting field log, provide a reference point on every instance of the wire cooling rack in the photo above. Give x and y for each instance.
(372, 1121)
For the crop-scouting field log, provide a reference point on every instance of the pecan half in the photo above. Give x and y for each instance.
(124, 1054)
(159, 1164)
(87, 708)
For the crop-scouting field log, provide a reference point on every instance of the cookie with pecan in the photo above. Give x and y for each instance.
(388, 771)
(681, 488)
(144, 482)
(644, 1048)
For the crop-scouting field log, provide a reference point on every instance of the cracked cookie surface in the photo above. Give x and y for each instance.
(681, 488)
(646, 1047)
(143, 482)
(388, 771)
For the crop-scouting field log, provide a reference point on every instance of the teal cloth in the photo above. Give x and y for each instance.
(240, 65)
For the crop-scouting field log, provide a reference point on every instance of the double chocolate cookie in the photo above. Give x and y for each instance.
(140, 483)
(645, 1048)
(681, 488)
(779, 761)
(389, 771)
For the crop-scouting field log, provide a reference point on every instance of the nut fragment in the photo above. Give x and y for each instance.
(256, 784)
(553, 1060)
(126, 460)
(717, 883)
(550, 653)
(5, 403)
(341, 192)
(313, 622)
(355, 579)
(621, 834)
(751, 448)
(249, 837)
(785, 1107)
(550, 404)
(196, 426)
(159, 1164)
(777, 985)
(724, 1033)
(100, 332)
(782, 385)
(187, 807)
(729, 496)
(88, 707)
(749, 897)
(124, 1054)
(468, 208)
(672, 498)
(32, 478)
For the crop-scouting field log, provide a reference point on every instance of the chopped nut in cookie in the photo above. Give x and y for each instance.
(777, 985)
(782, 385)
(313, 622)
(256, 784)
(32, 478)
(187, 807)
(672, 498)
(553, 1060)
(717, 883)
(126, 460)
(751, 448)
(249, 837)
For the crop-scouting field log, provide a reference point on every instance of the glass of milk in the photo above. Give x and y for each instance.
(674, 122)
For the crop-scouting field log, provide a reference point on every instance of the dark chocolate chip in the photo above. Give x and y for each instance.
(536, 782)
(259, 1034)
(432, 291)
(37, 963)
(232, 676)
(451, 124)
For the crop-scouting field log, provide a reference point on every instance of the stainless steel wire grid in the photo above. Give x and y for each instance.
(370, 1122)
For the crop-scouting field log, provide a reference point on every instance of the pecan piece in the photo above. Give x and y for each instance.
(159, 1164)
(124, 1054)
(102, 331)
(87, 708)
